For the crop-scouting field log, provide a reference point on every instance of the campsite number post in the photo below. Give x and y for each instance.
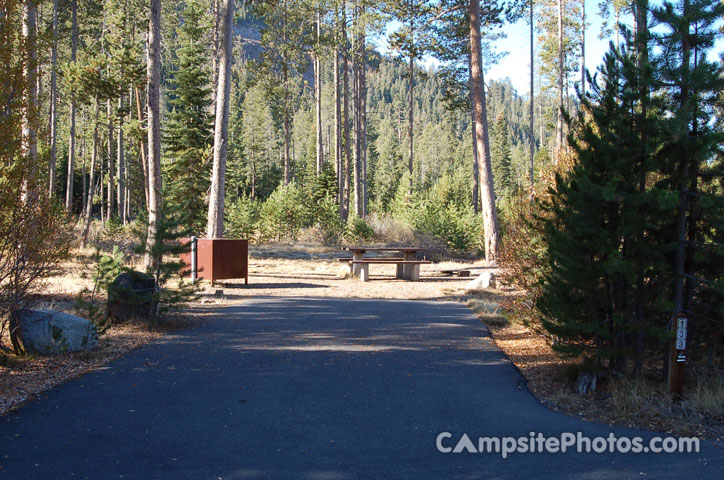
(677, 357)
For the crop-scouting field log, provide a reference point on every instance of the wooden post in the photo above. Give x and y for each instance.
(677, 356)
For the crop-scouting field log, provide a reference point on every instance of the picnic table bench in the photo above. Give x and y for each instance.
(408, 267)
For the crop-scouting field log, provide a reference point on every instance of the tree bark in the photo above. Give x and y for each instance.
(561, 67)
(356, 117)
(476, 162)
(318, 91)
(490, 217)
(142, 148)
(215, 226)
(53, 102)
(532, 97)
(345, 120)
(411, 72)
(88, 210)
(153, 94)
(583, 47)
(121, 167)
(285, 75)
(111, 176)
(30, 72)
(71, 136)
(363, 113)
(338, 132)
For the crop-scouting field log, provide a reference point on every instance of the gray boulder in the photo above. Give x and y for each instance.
(133, 296)
(50, 332)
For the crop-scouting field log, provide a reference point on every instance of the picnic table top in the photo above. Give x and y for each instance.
(384, 249)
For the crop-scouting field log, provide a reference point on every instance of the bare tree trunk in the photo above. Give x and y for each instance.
(155, 201)
(583, 47)
(490, 217)
(121, 167)
(92, 181)
(30, 72)
(85, 182)
(363, 113)
(111, 181)
(355, 117)
(285, 73)
(215, 61)
(561, 67)
(410, 118)
(476, 162)
(215, 226)
(71, 136)
(53, 102)
(338, 133)
(345, 119)
(532, 98)
(318, 91)
(142, 148)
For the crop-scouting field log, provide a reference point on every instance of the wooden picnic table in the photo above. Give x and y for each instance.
(407, 267)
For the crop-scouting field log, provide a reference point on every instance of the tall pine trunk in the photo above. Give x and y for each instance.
(71, 136)
(356, 116)
(411, 122)
(215, 225)
(111, 176)
(476, 162)
(363, 113)
(561, 67)
(88, 209)
(532, 97)
(53, 102)
(490, 217)
(154, 131)
(142, 148)
(285, 76)
(583, 46)
(345, 119)
(121, 167)
(318, 91)
(30, 73)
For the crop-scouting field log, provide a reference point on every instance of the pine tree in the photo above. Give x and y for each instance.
(188, 129)
(500, 157)
(602, 228)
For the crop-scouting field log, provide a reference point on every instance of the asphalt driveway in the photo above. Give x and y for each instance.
(312, 388)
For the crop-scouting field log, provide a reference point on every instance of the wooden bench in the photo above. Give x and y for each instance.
(412, 273)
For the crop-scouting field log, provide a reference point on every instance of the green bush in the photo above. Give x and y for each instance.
(358, 231)
(242, 218)
(282, 215)
(328, 227)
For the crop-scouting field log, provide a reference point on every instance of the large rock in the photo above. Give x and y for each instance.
(482, 282)
(133, 296)
(49, 332)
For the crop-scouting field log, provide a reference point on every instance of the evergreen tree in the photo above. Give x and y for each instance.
(602, 228)
(500, 157)
(187, 132)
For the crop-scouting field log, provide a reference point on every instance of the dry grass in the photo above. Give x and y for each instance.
(639, 403)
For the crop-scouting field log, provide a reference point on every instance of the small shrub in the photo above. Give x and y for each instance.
(242, 218)
(282, 215)
(358, 231)
(329, 227)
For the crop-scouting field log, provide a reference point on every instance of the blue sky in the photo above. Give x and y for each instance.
(516, 64)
